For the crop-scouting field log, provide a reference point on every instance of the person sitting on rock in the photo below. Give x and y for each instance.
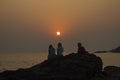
(60, 49)
(81, 49)
(51, 52)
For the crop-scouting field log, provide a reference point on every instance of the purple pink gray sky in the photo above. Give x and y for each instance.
(31, 25)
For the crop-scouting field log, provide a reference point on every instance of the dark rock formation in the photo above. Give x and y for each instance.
(112, 72)
(109, 73)
(70, 67)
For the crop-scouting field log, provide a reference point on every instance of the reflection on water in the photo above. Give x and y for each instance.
(110, 58)
(20, 60)
(24, 60)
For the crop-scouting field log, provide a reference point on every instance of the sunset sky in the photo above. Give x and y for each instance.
(31, 25)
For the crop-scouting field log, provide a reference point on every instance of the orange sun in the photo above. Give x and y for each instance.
(58, 33)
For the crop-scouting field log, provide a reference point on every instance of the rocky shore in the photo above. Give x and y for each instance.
(70, 67)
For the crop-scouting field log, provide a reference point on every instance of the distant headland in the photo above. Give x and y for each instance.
(115, 50)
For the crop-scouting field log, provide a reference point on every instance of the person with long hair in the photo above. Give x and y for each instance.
(51, 52)
(60, 49)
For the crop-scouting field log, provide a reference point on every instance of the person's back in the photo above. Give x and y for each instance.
(60, 50)
(81, 49)
(51, 52)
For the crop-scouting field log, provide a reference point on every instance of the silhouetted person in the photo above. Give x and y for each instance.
(51, 52)
(81, 49)
(60, 49)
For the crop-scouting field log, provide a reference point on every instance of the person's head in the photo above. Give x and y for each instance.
(50, 46)
(59, 44)
(79, 44)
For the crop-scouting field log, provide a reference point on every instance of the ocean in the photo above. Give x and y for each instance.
(13, 61)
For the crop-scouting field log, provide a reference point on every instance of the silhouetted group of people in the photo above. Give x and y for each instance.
(52, 53)
(60, 49)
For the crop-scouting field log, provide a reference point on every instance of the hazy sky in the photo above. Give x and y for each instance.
(31, 25)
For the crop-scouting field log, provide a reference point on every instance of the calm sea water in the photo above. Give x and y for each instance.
(13, 61)
(110, 59)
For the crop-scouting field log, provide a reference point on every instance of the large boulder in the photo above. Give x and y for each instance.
(109, 73)
(112, 72)
(69, 67)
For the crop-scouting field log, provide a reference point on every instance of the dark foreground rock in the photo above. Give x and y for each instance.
(109, 73)
(112, 72)
(70, 67)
